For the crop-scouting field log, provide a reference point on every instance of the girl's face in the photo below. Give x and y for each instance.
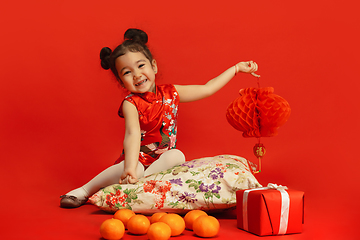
(136, 72)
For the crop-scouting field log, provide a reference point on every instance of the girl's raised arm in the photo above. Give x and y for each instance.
(189, 93)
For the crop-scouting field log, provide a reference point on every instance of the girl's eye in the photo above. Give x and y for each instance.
(141, 65)
(127, 72)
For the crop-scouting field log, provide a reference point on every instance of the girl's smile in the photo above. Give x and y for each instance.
(143, 81)
(136, 72)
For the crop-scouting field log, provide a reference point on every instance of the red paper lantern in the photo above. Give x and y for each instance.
(258, 112)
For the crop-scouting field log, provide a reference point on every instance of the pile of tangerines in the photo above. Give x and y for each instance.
(160, 226)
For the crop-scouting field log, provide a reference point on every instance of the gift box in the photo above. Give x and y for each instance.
(273, 210)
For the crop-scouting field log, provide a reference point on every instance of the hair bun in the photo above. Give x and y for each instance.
(136, 35)
(105, 57)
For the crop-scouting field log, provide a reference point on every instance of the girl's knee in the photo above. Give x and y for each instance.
(177, 155)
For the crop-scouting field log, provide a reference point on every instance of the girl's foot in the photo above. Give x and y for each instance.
(74, 198)
(67, 201)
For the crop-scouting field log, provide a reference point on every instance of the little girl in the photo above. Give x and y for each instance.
(150, 113)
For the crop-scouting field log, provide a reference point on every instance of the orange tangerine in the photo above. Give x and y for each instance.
(112, 229)
(191, 216)
(175, 222)
(156, 216)
(206, 226)
(124, 215)
(138, 224)
(159, 231)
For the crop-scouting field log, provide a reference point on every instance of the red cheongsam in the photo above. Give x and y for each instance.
(158, 121)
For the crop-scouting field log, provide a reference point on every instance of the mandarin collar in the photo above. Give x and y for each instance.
(149, 96)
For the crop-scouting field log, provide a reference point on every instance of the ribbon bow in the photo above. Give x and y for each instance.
(277, 187)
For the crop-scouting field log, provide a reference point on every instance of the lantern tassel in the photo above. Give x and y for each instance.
(258, 171)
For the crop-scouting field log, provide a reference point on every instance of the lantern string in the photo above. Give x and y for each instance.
(259, 158)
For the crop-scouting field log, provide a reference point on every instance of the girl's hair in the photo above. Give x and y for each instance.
(134, 41)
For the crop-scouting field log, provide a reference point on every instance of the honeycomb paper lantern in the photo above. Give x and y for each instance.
(258, 112)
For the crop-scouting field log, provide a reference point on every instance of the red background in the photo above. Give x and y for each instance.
(59, 123)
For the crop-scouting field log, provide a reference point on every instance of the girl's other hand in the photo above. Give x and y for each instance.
(127, 178)
(247, 67)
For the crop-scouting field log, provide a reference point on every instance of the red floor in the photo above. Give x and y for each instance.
(29, 207)
(32, 216)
